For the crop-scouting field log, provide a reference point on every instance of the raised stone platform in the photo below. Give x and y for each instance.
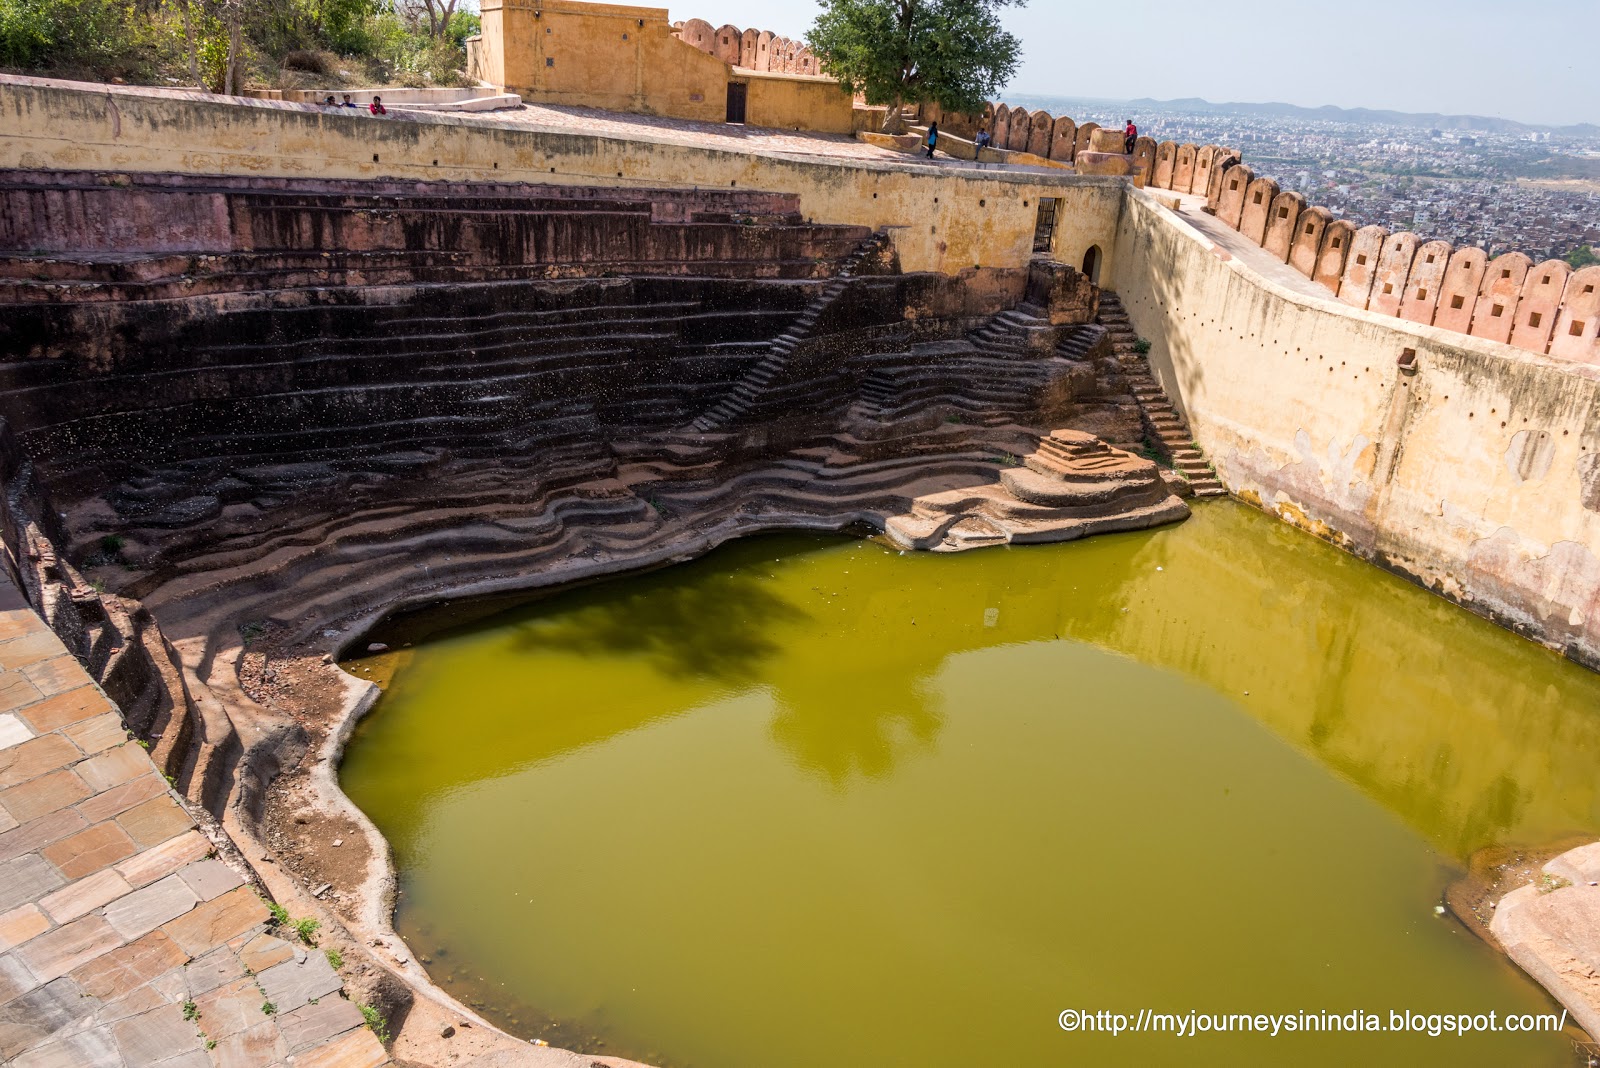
(125, 937)
(1074, 485)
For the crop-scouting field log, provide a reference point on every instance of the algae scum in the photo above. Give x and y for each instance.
(811, 801)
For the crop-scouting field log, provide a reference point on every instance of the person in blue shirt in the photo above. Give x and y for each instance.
(933, 138)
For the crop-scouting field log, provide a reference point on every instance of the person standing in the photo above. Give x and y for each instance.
(1129, 136)
(933, 138)
(376, 107)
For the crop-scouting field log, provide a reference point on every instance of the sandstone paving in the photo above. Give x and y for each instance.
(124, 939)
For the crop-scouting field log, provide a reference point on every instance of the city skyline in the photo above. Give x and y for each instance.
(1416, 64)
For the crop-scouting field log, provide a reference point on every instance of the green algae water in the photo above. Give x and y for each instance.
(811, 801)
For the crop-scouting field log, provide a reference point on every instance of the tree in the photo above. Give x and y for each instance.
(953, 53)
(1582, 256)
(437, 13)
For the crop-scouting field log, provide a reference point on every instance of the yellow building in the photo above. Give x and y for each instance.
(629, 59)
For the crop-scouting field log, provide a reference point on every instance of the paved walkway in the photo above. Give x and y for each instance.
(124, 941)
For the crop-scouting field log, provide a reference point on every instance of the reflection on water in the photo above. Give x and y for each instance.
(913, 806)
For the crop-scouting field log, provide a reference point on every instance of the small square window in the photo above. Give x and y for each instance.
(1283, 213)
(1257, 199)
(1336, 242)
(549, 61)
(1546, 281)
(1361, 260)
(1498, 310)
(1577, 328)
(1234, 184)
(1506, 273)
(1457, 302)
(1533, 319)
(1388, 287)
(1309, 228)
(1422, 294)
(1588, 289)
(1430, 259)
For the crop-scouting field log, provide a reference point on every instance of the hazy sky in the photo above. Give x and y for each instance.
(1537, 61)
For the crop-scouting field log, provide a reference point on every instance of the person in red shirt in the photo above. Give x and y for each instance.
(377, 107)
(1129, 136)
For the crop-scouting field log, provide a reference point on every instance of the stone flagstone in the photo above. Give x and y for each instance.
(115, 910)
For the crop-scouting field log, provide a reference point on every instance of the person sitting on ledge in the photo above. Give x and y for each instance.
(1129, 136)
(982, 140)
(376, 107)
(348, 103)
(330, 102)
(933, 138)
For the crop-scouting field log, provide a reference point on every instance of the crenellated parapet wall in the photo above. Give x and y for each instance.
(1470, 467)
(757, 50)
(1547, 308)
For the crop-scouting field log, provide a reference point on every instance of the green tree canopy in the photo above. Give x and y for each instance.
(953, 53)
(1583, 256)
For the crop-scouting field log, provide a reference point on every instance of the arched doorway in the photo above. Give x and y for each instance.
(1091, 264)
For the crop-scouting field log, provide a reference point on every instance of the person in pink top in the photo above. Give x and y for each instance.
(376, 107)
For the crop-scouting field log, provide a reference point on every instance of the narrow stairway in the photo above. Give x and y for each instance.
(1161, 418)
(745, 393)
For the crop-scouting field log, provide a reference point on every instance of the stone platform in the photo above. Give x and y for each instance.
(1074, 485)
(125, 939)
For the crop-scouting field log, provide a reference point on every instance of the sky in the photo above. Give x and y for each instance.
(1536, 62)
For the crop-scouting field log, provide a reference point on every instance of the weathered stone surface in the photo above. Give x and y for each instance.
(39, 833)
(113, 767)
(43, 795)
(89, 850)
(26, 878)
(97, 733)
(155, 821)
(21, 924)
(263, 951)
(312, 1025)
(294, 982)
(155, 1036)
(73, 706)
(40, 1015)
(94, 1048)
(210, 878)
(261, 1044)
(12, 730)
(84, 896)
(144, 910)
(218, 920)
(212, 970)
(55, 954)
(33, 756)
(231, 1008)
(120, 799)
(355, 1049)
(130, 966)
(164, 859)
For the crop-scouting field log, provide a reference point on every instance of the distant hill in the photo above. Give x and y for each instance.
(1330, 113)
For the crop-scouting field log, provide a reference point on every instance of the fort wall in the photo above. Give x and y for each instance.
(1545, 308)
(1469, 467)
(940, 219)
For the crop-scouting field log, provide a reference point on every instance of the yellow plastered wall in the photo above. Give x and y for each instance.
(1464, 463)
(797, 102)
(940, 218)
(626, 59)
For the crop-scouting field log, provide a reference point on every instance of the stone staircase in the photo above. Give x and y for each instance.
(745, 394)
(1016, 334)
(1161, 418)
